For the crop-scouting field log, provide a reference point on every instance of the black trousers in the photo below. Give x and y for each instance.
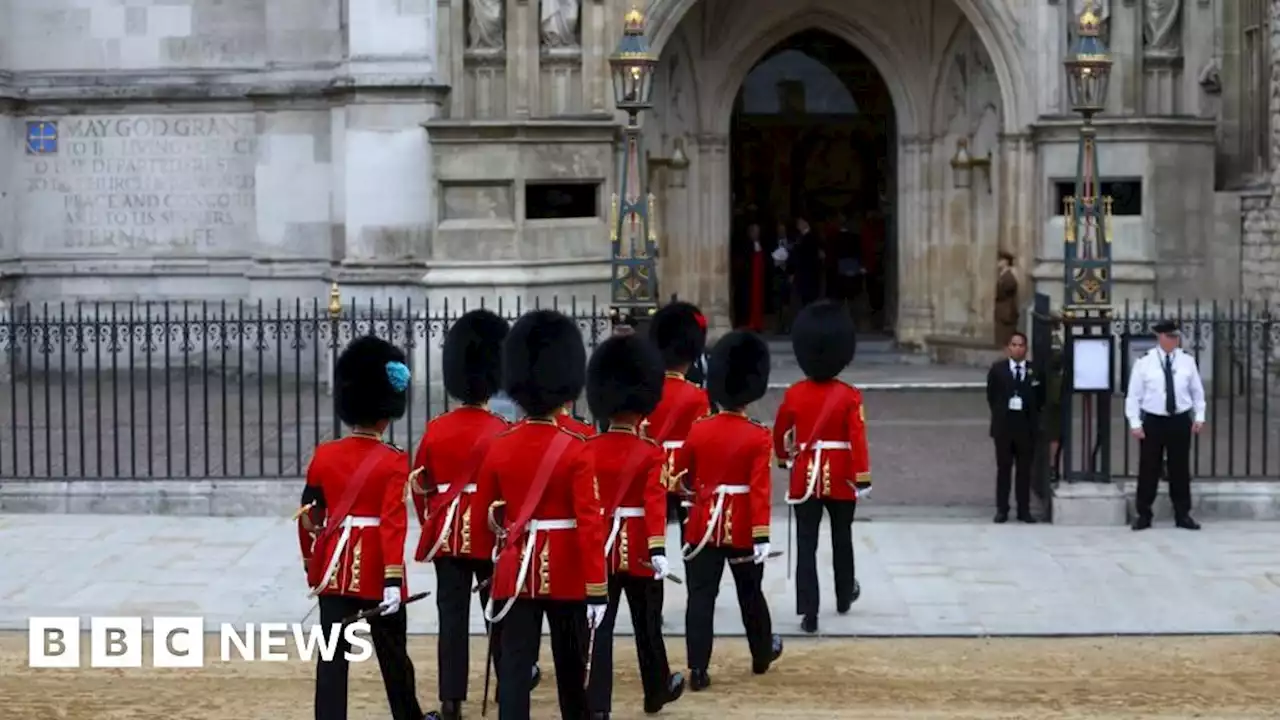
(1015, 453)
(704, 572)
(389, 643)
(808, 521)
(1165, 437)
(454, 579)
(644, 599)
(521, 635)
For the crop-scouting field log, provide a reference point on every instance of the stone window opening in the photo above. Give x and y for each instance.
(1255, 85)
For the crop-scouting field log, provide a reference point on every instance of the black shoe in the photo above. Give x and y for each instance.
(675, 689)
(843, 604)
(1001, 517)
(809, 624)
(1141, 523)
(775, 652)
(1186, 523)
(599, 716)
(537, 678)
(699, 680)
(431, 715)
(1026, 518)
(449, 710)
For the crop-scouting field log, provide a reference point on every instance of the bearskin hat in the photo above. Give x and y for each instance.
(679, 331)
(624, 375)
(824, 340)
(543, 362)
(738, 370)
(472, 356)
(370, 380)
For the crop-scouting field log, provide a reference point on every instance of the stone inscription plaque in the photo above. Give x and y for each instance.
(158, 183)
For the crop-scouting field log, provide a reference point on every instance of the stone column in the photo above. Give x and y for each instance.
(597, 43)
(1052, 19)
(386, 160)
(915, 314)
(522, 56)
(1125, 39)
(451, 42)
(708, 262)
(1018, 226)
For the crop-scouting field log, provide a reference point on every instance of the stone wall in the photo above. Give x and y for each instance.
(195, 149)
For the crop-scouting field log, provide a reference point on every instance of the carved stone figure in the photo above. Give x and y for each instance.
(560, 23)
(485, 25)
(1160, 29)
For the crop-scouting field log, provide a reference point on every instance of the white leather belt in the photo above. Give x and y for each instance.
(449, 514)
(815, 467)
(619, 515)
(350, 522)
(672, 445)
(721, 492)
(526, 557)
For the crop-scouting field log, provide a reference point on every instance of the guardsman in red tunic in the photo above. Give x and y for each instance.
(624, 383)
(539, 476)
(830, 465)
(727, 458)
(680, 333)
(456, 534)
(353, 522)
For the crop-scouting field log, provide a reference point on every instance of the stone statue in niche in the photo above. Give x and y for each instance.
(485, 25)
(560, 23)
(1161, 25)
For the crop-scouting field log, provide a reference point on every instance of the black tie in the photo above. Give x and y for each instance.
(1170, 405)
(1019, 372)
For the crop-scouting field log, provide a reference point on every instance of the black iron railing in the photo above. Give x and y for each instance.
(1237, 348)
(207, 389)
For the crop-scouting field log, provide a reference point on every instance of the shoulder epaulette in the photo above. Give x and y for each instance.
(393, 446)
(580, 436)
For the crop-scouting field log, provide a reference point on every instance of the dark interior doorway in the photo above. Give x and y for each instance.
(813, 142)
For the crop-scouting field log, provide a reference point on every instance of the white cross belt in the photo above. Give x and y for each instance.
(526, 556)
(619, 515)
(815, 467)
(351, 521)
(449, 515)
(721, 492)
(672, 445)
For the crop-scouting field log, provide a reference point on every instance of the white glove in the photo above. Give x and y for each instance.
(661, 567)
(390, 601)
(760, 553)
(595, 615)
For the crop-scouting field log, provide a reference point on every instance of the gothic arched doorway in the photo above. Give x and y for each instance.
(812, 142)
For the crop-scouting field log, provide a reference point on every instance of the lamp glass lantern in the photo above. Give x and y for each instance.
(633, 67)
(962, 166)
(1088, 66)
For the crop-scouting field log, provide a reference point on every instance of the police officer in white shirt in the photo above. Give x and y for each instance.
(1165, 407)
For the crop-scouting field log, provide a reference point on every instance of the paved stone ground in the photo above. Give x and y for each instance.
(958, 578)
(928, 448)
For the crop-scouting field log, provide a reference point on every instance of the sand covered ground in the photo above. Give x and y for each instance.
(921, 679)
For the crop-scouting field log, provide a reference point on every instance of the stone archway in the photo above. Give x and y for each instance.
(708, 51)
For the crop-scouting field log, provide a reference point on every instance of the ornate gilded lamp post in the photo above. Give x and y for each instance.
(633, 236)
(1089, 346)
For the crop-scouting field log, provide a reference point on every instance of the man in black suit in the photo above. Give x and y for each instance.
(805, 264)
(1015, 396)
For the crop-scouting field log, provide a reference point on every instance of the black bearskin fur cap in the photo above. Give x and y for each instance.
(824, 340)
(738, 370)
(362, 388)
(679, 333)
(625, 375)
(543, 362)
(472, 357)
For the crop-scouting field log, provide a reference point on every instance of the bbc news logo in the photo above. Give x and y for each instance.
(179, 642)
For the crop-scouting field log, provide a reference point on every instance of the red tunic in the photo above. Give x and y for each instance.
(636, 520)
(683, 404)
(569, 422)
(449, 455)
(727, 456)
(566, 558)
(364, 549)
(838, 466)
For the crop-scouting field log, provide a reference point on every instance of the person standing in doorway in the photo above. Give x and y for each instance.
(805, 263)
(1006, 316)
(755, 283)
(781, 255)
(1015, 397)
(1165, 406)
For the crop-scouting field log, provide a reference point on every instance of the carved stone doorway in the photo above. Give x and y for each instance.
(813, 137)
